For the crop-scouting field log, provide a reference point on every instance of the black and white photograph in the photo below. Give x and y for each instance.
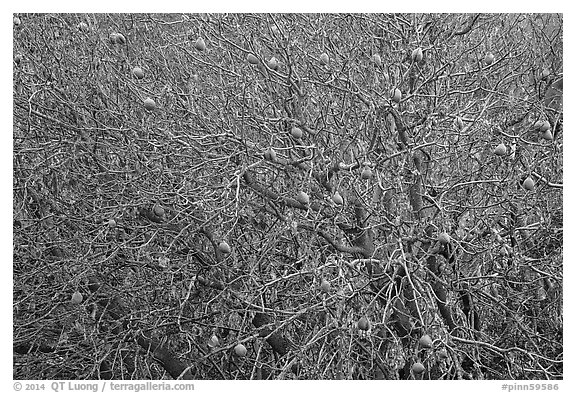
(287, 196)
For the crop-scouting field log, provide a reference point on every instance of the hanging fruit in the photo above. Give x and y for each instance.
(149, 104)
(363, 324)
(296, 133)
(325, 286)
(273, 64)
(200, 44)
(240, 350)
(417, 55)
(528, 184)
(418, 368)
(252, 59)
(444, 238)
(270, 154)
(542, 125)
(224, 247)
(500, 150)
(303, 198)
(337, 198)
(138, 73)
(214, 341)
(396, 95)
(366, 173)
(425, 341)
(76, 298)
